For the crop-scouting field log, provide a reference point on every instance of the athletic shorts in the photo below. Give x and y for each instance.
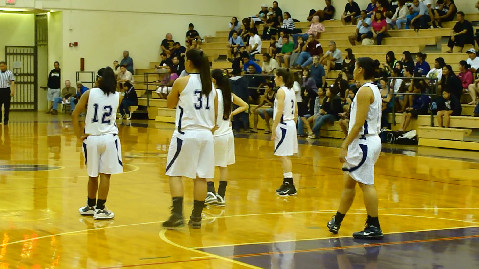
(286, 142)
(52, 94)
(224, 150)
(102, 154)
(361, 157)
(191, 154)
(163, 89)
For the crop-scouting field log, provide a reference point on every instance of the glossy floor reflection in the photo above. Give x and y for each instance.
(43, 183)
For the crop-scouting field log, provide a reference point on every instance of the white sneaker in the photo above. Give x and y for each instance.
(87, 210)
(220, 201)
(210, 198)
(103, 214)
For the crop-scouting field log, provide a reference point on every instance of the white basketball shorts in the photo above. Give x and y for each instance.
(286, 142)
(361, 158)
(102, 154)
(191, 154)
(225, 150)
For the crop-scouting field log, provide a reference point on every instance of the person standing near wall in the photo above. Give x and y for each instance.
(54, 79)
(7, 90)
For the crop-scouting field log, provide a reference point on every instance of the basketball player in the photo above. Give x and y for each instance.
(101, 145)
(191, 152)
(285, 115)
(360, 151)
(224, 139)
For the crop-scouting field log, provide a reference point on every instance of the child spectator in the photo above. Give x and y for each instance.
(419, 106)
(422, 67)
(447, 106)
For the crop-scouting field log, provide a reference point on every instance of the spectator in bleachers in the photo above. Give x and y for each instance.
(436, 72)
(167, 44)
(308, 96)
(447, 13)
(379, 27)
(297, 50)
(447, 106)
(308, 120)
(269, 64)
(326, 14)
(349, 64)
(192, 34)
(351, 12)
(473, 60)
(288, 24)
(407, 59)
(247, 62)
(380, 7)
(129, 99)
(451, 82)
(116, 67)
(399, 17)
(329, 111)
(390, 62)
(127, 61)
(418, 106)
(341, 86)
(275, 46)
(363, 29)
(318, 73)
(418, 17)
(176, 65)
(465, 76)
(462, 33)
(234, 43)
(166, 82)
(254, 43)
(370, 8)
(234, 25)
(124, 75)
(387, 104)
(422, 67)
(315, 30)
(262, 14)
(270, 27)
(399, 67)
(344, 116)
(239, 86)
(193, 44)
(278, 13)
(164, 61)
(312, 48)
(286, 51)
(474, 91)
(178, 51)
(245, 29)
(332, 59)
(406, 86)
(265, 113)
(81, 89)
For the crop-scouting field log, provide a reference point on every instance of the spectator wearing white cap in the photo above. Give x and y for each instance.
(262, 14)
(473, 60)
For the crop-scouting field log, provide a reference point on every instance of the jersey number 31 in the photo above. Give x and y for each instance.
(199, 102)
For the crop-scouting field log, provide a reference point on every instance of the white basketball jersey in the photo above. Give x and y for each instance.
(101, 112)
(372, 125)
(224, 126)
(195, 110)
(289, 105)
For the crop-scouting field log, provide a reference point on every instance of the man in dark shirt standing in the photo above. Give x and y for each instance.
(7, 90)
(462, 33)
(128, 61)
(53, 86)
(167, 44)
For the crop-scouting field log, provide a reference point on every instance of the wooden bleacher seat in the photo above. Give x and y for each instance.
(456, 134)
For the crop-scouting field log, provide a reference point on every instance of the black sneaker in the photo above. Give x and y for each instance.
(289, 189)
(281, 188)
(175, 221)
(369, 233)
(195, 222)
(333, 226)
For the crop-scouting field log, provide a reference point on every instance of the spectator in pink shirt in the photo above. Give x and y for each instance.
(465, 76)
(379, 26)
(315, 29)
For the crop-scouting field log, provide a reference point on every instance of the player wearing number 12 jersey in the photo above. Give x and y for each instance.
(101, 145)
(191, 151)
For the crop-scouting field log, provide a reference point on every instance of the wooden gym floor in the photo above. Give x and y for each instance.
(428, 206)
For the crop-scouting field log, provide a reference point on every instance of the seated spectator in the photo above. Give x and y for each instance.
(262, 15)
(351, 12)
(235, 26)
(332, 59)
(465, 76)
(178, 51)
(451, 82)
(387, 104)
(275, 46)
(265, 113)
(239, 86)
(462, 33)
(381, 7)
(349, 63)
(326, 14)
(176, 66)
(379, 27)
(116, 67)
(297, 51)
(447, 106)
(68, 96)
(254, 43)
(234, 43)
(81, 89)
(247, 62)
(436, 72)
(165, 61)
(270, 27)
(329, 111)
(286, 51)
(192, 34)
(193, 44)
(473, 60)
(407, 59)
(308, 120)
(418, 16)
(344, 116)
(167, 44)
(255, 85)
(474, 91)
(422, 67)
(341, 86)
(447, 13)
(406, 87)
(418, 106)
(308, 92)
(315, 30)
(245, 29)
(399, 17)
(363, 29)
(166, 83)
(269, 64)
(129, 99)
(127, 61)
(124, 75)
(278, 13)
(288, 24)
(318, 73)
(312, 48)
(390, 62)
(370, 8)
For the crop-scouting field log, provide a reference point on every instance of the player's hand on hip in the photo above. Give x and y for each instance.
(273, 136)
(342, 154)
(84, 136)
(214, 129)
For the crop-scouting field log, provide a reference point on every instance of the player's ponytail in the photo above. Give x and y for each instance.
(287, 77)
(223, 83)
(201, 62)
(106, 80)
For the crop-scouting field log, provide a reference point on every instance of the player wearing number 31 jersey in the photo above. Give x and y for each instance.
(101, 145)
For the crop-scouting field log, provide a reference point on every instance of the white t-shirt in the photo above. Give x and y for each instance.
(435, 73)
(269, 67)
(474, 63)
(297, 92)
(253, 41)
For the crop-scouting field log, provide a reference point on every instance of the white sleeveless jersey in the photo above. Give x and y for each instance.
(101, 112)
(372, 125)
(289, 105)
(195, 110)
(224, 126)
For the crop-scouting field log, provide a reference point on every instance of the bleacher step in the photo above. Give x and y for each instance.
(455, 134)
(449, 144)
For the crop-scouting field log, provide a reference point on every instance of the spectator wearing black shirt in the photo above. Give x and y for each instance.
(326, 14)
(192, 34)
(53, 84)
(129, 99)
(278, 13)
(167, 44)
(271, 27)
(165, 61)
(462, 33)
(177, 66)
(179, 51)
(263, 13)
(447, 106)
(329, 111)
(351, 12)
(407, 59)
(447, 13)
(239, 86)
(451, 82)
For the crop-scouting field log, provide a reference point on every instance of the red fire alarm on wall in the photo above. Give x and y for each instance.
(73, 44)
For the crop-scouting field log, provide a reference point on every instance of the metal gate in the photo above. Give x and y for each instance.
(22, 61)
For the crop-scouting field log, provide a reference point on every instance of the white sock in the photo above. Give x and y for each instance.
(288, 175)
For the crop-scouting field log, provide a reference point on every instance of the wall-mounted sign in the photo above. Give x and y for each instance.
(10, 2)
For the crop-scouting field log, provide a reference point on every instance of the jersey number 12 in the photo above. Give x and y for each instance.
(105, 119)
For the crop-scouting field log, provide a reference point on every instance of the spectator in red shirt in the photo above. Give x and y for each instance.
(379, 26)
(465, 75)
